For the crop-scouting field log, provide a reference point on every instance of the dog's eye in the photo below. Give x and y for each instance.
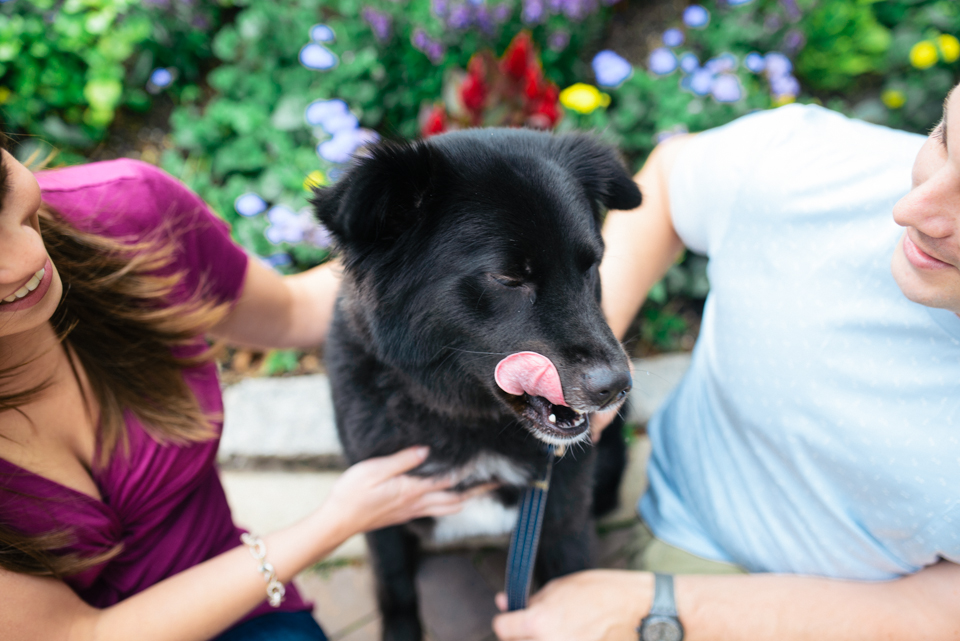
(507, 281)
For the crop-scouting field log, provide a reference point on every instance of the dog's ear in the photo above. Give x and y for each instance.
(382, 195)
(599, 170)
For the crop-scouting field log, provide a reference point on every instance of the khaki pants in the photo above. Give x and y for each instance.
(647, 552)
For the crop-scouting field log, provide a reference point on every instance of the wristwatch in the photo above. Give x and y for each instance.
(662, 623)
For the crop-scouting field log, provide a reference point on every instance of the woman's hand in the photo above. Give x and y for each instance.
(596, 605)
(376, 493)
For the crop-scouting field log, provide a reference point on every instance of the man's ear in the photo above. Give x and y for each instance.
(599, 169)
(382, 195)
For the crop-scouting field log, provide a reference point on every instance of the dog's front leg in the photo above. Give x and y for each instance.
(395, 552)
(568, 539)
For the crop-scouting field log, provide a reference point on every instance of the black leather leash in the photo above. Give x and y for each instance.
(526, 536)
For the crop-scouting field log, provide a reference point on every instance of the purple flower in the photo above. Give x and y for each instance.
(772, 23)
(754, 62)
(322, 33)
(483, 19)
(460, 17)
(335, 123)
(794, 40)
(722, 63)
(555, 6)
(318, 236)
(673, 37)
(578, 9)
(662, 61)
(476, 3)
(433, 49)
(558, 40)
(315, 56)
(726, 88)
(793, 11)
(689, 62)
(319, 111)
(701, 81)
(532, 12)
(379, 21)
(778, 65)
(435, 52)
(439, 8)
(737, 3)
(286, 225)
(784, 86)
(696, 16)
(249, 204)
(610, 69)
(344, 143)
(502, 13)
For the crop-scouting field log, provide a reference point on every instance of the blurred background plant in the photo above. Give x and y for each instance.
(254, 102)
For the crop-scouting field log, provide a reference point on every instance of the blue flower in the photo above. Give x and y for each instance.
(249, 204)
(319, 111)
(315, 56)
(689, 62)
(754, 62)
(722, 63)
(286, 225)
(784, 86)
(161, 78)
(610, 69)
(281, 259)
(701, 81)
(335, 123)
(778, 65)
(662, 61)
(726, 88)
(696, 17)
(341, 147)
(673, 37)
(322, 33)
(737, 3)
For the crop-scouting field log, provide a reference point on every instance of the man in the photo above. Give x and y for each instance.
(805, 475)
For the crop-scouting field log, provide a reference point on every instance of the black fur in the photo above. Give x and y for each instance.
(457, 252)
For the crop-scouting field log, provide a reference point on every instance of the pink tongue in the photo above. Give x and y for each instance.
(531, 373)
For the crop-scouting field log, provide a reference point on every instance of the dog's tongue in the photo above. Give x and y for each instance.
(531, 373)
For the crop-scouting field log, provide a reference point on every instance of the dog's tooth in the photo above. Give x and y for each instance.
(552, 418)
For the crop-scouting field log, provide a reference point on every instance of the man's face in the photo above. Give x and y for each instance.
(926, 262)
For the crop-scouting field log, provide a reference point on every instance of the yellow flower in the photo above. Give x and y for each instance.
(949, 47)
(893, 98)
(923, 55)
(4, 95)
(784, 99)
(314, 179)
(583, 98)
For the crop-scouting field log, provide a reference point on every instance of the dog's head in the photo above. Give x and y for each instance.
(475, 245)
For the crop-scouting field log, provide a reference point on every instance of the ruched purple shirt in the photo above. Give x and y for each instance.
(163, 502)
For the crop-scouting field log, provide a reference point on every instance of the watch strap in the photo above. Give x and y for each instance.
(664, 603)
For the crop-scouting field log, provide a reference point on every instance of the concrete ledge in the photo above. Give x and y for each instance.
(287, 424)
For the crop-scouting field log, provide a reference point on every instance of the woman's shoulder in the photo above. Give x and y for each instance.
(117, 197)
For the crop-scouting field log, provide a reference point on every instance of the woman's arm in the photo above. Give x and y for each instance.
(611, 603)
(282, 311)
(210, 597)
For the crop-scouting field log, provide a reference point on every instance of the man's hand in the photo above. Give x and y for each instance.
(596, 605)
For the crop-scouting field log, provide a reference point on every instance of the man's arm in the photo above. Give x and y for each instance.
(641, 244)
(610, 604)
(282, 311)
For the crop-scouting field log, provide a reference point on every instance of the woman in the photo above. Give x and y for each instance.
(113, 523)
(804, 477)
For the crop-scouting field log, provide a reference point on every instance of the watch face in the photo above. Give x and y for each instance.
(661, 629)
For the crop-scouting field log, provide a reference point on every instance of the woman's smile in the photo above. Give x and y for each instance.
(31, 292)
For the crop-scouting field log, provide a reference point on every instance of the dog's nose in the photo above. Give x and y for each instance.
(605, 385)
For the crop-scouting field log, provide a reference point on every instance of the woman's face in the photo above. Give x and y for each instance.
(30, 287)
(926, 262)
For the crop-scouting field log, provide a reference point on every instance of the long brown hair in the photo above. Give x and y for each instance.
(116, 320)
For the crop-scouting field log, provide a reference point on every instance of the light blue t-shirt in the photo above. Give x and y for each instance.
(818, 428)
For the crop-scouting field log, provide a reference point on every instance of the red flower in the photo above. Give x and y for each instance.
(473, 92)
(544, 113)
(533, 82)
(518, 55)
(436, 122)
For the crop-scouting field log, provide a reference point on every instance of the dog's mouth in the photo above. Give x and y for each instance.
(554, 424)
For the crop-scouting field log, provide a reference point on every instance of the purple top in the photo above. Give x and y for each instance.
(164, 503)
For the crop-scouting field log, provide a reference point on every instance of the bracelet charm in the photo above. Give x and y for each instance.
(258, 550)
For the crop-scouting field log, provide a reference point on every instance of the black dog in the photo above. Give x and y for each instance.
(459, 251)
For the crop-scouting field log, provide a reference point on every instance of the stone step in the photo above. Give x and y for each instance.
(287, 424)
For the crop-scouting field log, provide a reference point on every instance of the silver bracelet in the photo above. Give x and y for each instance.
(275, 589)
